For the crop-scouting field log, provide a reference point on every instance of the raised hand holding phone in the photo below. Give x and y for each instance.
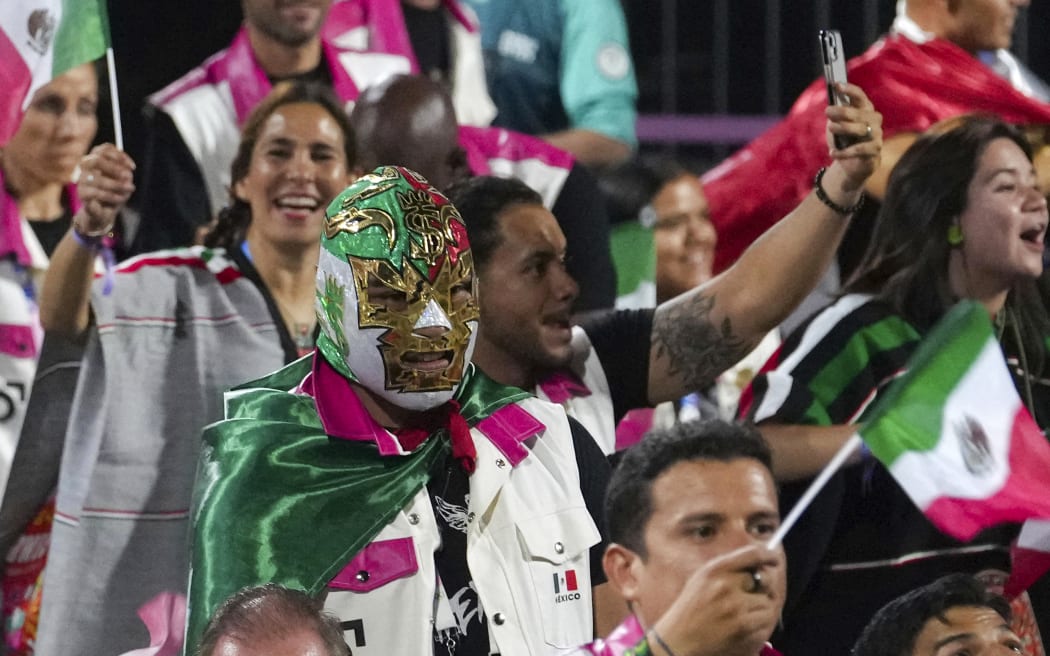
(834, 60)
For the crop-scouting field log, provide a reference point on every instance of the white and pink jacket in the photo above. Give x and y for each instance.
(364, 42)
(377, 27)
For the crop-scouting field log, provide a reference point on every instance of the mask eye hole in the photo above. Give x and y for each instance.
(462, 293)
(381, 294)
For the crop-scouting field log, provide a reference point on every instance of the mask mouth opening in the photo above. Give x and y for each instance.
(427, 361)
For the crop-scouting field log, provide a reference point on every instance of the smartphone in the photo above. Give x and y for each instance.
(835, 72)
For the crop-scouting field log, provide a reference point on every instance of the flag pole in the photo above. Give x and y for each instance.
(844, 452)
(111, 67)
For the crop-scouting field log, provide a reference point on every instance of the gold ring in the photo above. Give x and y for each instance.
(868, 126)
(756, 581)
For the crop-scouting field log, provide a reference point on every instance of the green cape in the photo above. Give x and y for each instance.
(277, 500)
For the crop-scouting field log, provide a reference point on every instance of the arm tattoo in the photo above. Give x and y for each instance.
(696, 350)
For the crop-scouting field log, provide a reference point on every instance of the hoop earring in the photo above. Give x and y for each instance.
(955, 235)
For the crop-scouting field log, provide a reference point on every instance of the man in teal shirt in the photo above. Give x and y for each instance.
(562, 70)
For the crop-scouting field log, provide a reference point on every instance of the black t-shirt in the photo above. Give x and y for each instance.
(622, 340)
(449, 488)
(319, 74)
(584, 218)
(172, 198)
(428, 33)
(49, 233)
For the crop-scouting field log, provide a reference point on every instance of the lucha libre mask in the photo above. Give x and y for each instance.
(396, 295)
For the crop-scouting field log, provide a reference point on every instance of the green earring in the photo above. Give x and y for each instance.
(955, 235)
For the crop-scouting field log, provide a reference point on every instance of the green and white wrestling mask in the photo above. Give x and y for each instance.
(396, 296)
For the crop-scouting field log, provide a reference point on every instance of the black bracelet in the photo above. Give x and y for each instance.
(822, 196)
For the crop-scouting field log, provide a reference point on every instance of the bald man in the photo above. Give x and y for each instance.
(410, 121)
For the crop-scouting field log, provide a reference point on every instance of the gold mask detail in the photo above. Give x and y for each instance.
(412, 354)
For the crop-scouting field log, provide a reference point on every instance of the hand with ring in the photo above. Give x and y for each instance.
(105, 185)
(861, 125)
(755, 583)
(718, 612)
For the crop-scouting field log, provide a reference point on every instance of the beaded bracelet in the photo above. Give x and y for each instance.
(100, 244)
(92, 241)
(822, 196)
(93, 244)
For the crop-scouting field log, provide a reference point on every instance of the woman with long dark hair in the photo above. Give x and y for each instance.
(167, 333)
(963, 218)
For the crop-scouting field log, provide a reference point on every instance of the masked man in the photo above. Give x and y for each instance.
(442, 512)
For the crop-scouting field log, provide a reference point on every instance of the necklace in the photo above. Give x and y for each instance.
(303, 336)
(301, 332)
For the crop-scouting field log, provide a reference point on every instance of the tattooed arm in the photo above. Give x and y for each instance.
(701, 333)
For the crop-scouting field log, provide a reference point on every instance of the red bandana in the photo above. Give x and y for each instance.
(447, 416)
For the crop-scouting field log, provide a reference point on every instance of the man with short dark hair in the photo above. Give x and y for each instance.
(689, 510)
(193, 124)
(953, 615)
(272, 620)
(630, 359)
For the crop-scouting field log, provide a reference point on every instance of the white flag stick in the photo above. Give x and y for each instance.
(847, 449)
(118, 131)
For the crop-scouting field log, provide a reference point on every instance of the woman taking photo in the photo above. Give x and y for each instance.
(167, 333)
(963, 218)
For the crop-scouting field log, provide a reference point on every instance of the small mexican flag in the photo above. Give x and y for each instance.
(40, 39)
(1029, 557)
(955, 435)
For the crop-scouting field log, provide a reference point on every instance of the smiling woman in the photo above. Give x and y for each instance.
(292, 161)
(963, 218)
(175, 331)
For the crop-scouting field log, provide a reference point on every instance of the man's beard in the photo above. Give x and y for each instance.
(286, 36)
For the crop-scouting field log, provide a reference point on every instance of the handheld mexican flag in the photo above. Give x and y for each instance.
(953, 431)
(40, 39)
(1029, 557)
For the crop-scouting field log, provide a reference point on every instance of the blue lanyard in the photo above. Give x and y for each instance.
(27, 280)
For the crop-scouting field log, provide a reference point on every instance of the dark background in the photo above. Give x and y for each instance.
(680, 67)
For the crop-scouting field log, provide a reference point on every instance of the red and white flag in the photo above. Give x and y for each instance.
(955, 435)
(1030, 556)
(40, 39)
